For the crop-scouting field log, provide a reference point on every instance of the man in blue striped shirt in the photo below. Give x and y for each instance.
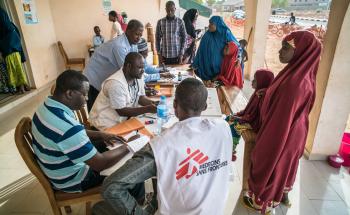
(70, 156)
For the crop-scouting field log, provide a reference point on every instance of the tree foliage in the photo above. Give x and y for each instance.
(199, 1)
(279, 3)
(211, 2)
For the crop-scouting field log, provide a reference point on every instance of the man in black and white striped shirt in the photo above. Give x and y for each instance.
(170, 37)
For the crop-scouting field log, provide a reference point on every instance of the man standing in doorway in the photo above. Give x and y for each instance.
(170, 37)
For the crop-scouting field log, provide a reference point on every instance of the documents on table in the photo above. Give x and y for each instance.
(213, 108)
(133, 146)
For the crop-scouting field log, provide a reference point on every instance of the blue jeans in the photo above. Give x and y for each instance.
(116, 187)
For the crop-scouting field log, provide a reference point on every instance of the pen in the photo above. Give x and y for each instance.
(150, 117)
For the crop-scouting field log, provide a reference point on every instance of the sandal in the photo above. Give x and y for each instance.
(248, 203)
(285, 200)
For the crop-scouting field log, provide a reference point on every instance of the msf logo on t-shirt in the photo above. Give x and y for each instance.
(190, 165)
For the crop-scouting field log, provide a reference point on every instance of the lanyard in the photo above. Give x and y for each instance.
(135, 92)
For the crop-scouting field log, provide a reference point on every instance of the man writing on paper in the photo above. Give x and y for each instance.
(69, 155)
(122, 95)
(190, 160)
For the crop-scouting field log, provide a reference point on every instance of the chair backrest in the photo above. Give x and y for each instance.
(82, 116)
(52, 90)
(63, 52)
(23, 139)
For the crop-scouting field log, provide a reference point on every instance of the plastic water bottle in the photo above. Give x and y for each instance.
(179, 77)
(162, 114)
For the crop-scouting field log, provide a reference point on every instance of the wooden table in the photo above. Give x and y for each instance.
(231, 99)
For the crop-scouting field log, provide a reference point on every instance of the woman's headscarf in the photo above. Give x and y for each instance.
(231, 73)
(188, 18)
(264, 78)
(301, 69)
(284, 120)
(251, 113)
(210, 52)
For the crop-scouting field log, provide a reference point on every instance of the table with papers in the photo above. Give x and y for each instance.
(218, 101)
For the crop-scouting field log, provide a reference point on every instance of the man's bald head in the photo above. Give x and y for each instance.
(134, 65)
(132, 57)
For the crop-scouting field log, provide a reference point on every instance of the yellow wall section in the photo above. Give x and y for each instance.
(74, 20)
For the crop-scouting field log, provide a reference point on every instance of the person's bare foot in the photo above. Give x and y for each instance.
(21, 89)
(285, 200)
(27, 87)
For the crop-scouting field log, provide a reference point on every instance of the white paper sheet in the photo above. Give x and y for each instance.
(134, 146)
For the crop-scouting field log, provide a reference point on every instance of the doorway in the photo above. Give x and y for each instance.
(7, 93)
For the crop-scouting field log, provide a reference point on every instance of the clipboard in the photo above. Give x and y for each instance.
(165, 91)
(128, 126)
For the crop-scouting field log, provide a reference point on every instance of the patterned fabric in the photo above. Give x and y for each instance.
(235, 135)
(61, 146)
(17, 77)
(142, 45)
(4, 87)
(170, 37)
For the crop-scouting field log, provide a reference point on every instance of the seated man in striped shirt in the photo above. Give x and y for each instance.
(71, 156)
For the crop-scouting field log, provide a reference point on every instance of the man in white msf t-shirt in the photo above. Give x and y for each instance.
(190, 160)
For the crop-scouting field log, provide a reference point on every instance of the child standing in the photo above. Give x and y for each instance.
(231, 73)
(244, 55)
(250, 117)
(243, 43)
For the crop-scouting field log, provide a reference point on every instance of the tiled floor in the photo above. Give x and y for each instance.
(319, 189)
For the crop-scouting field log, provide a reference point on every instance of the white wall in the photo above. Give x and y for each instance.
(74, 20)
(336, 103)
(40, 42)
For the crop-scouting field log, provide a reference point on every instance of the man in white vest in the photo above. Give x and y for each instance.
(122, 95)
(190, 160)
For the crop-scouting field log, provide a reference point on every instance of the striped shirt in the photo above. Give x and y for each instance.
(61, 145)
(170, 37)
